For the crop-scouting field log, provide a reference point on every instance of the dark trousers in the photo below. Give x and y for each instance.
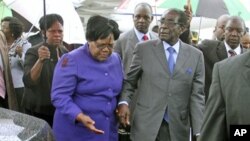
(19, 95)
(4, 102)
(124, 133)
(163, 134)
(47, 118)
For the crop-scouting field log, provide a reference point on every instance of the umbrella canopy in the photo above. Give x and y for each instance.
(213, 8)
(4, 10)
(32, 10)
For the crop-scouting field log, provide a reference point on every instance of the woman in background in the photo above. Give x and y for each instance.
(39, 64)
(86, 85)
(17, 47)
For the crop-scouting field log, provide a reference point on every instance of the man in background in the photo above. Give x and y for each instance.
(245, 40)
(218, 33)
(215, 51)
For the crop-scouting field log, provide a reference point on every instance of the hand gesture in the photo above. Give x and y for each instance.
(43, 53)
(89, 123)
(188, 11)
(123, 114)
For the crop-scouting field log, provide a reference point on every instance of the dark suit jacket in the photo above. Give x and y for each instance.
(213, 51)
(37, 94)
(228, 101)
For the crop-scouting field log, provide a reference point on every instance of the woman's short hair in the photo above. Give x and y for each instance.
(46, 22)
(15, 25)
(99, 27)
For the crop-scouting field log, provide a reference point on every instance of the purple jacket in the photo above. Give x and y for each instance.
(83, 84)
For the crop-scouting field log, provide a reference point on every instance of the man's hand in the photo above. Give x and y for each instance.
(189, 13)
(123, 114)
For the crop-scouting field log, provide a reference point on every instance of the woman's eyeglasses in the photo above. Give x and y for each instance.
(102, 46)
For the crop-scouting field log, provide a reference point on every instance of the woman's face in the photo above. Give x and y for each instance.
(55, 34)
(6, 29)
(101, 49)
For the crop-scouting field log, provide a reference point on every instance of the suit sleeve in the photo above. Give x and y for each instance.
(214, 124)
(31, 57)
(63, 87)
(134, 74)
(118, 48)
(197, 100)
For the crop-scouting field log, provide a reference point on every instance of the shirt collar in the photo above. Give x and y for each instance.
(140, 35)
(175, 46)
(237, 49)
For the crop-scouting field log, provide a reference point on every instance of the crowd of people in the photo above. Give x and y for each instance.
(140, 85)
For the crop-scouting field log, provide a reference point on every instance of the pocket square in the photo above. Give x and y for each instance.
(189, 71)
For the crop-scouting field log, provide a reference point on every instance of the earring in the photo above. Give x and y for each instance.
(12, 35)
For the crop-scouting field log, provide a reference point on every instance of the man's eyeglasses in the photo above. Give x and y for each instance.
(102, 46)
(168, 22)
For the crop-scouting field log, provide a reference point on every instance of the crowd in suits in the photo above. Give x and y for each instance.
(157, 86)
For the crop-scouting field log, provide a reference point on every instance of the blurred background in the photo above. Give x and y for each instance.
(205, 13)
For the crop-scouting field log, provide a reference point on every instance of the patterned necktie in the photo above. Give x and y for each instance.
(232, 53)
(145, 37)
(171, 61)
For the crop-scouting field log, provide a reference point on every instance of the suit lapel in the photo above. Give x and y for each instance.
(160, 54)
(133, 40)
(181, 58)
(221, 51)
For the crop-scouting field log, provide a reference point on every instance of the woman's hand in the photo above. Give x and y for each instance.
(19, 51)
(89, 123)
(43, 53)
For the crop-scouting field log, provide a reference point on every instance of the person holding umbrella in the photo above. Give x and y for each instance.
(39, 64)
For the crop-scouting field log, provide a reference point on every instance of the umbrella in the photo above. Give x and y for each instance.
(4, 10)
(32, 11)
(212, 8)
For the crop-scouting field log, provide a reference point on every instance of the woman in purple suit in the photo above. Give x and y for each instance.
(86, 85)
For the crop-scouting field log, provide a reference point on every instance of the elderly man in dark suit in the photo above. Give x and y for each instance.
(215, 51)
(170, 93)
(228, 101)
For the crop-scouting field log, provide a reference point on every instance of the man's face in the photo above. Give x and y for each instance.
(170, 29)
(142, 18)
(234, 30)
(55, 34)
(220, 28)
(245, 41)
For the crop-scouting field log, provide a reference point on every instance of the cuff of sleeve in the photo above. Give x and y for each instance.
(123, 102)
